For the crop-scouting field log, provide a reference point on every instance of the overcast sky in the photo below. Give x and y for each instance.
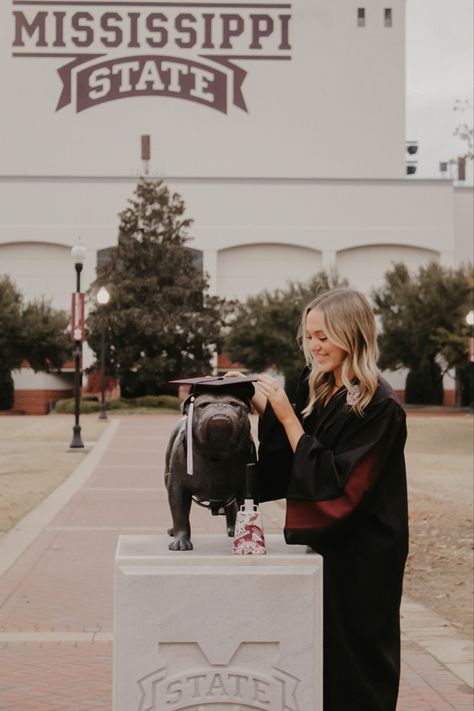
(439, 71)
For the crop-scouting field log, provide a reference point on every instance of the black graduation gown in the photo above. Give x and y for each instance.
(346, 497)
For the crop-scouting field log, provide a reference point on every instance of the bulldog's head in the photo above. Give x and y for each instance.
(220, 423)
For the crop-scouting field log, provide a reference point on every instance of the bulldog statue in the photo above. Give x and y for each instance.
(207, 454)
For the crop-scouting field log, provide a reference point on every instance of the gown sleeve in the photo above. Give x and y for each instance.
(328, 487)
(275, 456)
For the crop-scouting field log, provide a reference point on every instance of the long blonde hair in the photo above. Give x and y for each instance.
(350, 325)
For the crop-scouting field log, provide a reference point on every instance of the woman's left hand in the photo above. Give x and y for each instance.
(278, 399)
(276, 396)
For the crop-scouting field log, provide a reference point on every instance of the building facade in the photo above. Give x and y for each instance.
(281, 124)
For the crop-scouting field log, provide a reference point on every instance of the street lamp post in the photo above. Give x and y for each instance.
(103, 298)
(78, 254)
(470, 323)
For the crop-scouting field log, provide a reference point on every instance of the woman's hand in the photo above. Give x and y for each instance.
(259, 402)
(268, 389)
(273, 392)
(234, 374)
(276, 396)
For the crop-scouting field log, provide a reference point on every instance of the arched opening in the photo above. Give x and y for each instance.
(365, 267)
(247, 269)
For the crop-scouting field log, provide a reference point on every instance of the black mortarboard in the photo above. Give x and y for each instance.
(239, 387)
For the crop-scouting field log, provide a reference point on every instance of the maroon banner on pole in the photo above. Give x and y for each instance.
(77, 325)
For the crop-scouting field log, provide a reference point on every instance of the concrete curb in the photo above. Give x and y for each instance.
(439, 638)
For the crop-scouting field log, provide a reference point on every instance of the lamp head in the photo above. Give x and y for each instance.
(470, 318)
(103, 296)
(78, 252)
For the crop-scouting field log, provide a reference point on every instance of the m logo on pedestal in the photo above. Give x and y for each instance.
(227, 686)
(183, 50)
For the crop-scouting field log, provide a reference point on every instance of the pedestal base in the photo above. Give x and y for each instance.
(205, 630)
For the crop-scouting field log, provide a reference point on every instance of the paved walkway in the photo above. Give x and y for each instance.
(56, 570)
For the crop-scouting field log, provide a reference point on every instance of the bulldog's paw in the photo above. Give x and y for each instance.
(181, 544)
(230, 531)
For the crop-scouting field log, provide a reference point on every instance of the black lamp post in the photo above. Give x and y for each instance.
(78, 254)
(470, 323)
(103, 298)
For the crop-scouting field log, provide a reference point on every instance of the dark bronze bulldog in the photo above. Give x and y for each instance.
(206, 457)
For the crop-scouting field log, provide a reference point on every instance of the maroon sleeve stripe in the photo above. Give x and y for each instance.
(323, 514)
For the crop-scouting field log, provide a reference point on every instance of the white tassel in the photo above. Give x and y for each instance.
(189, 438)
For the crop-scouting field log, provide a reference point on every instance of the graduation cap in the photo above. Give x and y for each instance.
(240, 387)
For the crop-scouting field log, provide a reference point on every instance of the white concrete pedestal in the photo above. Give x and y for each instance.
(206, 630)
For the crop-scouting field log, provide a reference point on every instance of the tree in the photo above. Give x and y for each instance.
(263, 333)
(159, 324)
(463, 130)
(34, 332)
(423, 323)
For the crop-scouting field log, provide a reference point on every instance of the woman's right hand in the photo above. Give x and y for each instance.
(259, 401)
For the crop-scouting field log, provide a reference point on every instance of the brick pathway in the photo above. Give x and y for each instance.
(56, 599)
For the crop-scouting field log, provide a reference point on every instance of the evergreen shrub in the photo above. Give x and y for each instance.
(89, 404)
(6, 390)
(422, 389)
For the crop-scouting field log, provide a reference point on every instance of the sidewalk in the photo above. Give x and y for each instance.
(56, 573)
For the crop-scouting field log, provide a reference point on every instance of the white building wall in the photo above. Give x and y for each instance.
(397, 220)
(464, 225)
(313, 102)
(27, 379)
(324, 216)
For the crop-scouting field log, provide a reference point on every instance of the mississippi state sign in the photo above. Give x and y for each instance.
(187, 50)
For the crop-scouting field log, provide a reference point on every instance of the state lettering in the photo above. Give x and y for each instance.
(225, 686)
(167, 76)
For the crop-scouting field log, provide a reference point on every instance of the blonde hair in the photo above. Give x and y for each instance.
(350, 325)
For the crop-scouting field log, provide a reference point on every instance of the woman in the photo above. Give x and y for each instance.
(337, 457)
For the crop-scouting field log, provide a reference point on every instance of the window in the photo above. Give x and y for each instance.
(104, 256)
(388, 17)
(361, 17)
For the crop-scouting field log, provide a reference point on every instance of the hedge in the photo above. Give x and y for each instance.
(89, 404)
